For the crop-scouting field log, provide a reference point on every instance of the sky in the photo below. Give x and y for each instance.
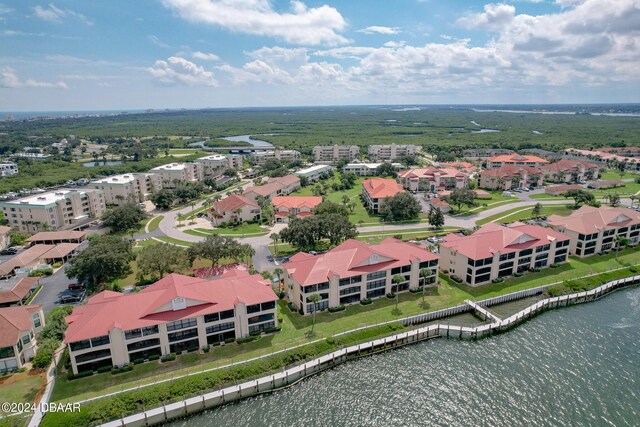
(122, 54)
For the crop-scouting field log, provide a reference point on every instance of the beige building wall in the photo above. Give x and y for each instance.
(391, 152)
(335, 152)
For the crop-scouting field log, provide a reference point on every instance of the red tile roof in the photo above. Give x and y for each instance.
(431, 172)
(27, 257)
(560, 189)
(47, 236)
(61, 250)
(231, 203)
(588, 219)
(209, 272)
(379, 188)
(264, 190)
(353, 258)
(465, 166)
(493, 238)
(517, 158)
(152, 305)
(18, 291)
(297, 202)
(14, 320)
(4, 229)
(509, 171)
(284, 180)
(566, 165)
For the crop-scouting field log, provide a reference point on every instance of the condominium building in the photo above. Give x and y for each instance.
(8, 169)
(335, 152)
(286, 207)
(234, 208)
(511, 177)
(367, 169)
(56, 209)
(354, 271)
(280, 186)
(391, 152)
(128, 188)
(215, 164)
(570, 171)
(314, 173)
(515, 160)
(5, 238)
(284, 156)
(178, 172)
(607, 158)
(594, 230)
(288, 183)
(498, 250)
(176, 313)
(17, 291)
(484, 153)
(376, 190)
(19, 327)
(433, 179)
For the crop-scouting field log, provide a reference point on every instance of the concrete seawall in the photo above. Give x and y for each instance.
(290, 376)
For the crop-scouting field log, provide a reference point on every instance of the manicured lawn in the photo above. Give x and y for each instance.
(295, 328)
(20, 387)
(610, 174)
(155, 222)
(523, 213)
(497, 199)
(173, 241)
(623, 191)
(410, 234)
(186, 151)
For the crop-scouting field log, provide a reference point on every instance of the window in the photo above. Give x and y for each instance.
(350, 280)
(6, 352)
(563, 243)
(350, 290)
(183, 335)
(143, 344)
(523, 261)
(377, 284)
(560, 259)
(98, 341)
(483, 278)
(319, 306)
(80, 345)
(36, 320)
(525, 252)
(542, 257)
(253, 308)
(506, 265)
(26, 339)
(376, 275)
(483, 270)
(261, 318)
(323, 286)
(271, 305)
(350, 299)
(227, 314)
(607, 233)
(181, 324)
(213, 317)
(508, 256)
(375, 293)
(93, 355)
(543, 248)
(220, 327)
(427, 264)
(262, 327)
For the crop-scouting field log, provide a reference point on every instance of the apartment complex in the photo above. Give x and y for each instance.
(484, 153)
(606, 157)
(323, 153)
(594, 230)
(433, 179)
(8, 169)
(5, 238)
(234, 208)
(286, 207)
(17, 291)
(215, 164)
(376, 190)
(511, 177)
(314, 173)
(128, 188)
(498, 250)
(18, 329)
(515, 160)
(567, 170)
(367, 169)
(280, 186)
(391, 152)
(171, 173)
(284, 156)
(354, 271)
(176, 313)
(56, 209)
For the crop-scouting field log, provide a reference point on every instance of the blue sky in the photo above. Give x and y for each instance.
(117, 54)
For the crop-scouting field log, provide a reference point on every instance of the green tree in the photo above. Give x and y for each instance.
(621, 243)
(328, 207)
(460, 197)
(303, 233)
(397, 279)
(213, 248)
(386, 169)
(336, 228)
(424, 273)
(275, 237)
(537, 210)
(162, 258)
(614, 199)
(315, 298)
(401, 207)
(106, 258)
(581, 197)
(436, 217)
(123, 218)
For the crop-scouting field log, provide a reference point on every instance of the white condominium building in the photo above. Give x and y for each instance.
(391, 152)
(173, 172)
(54, 210)
(282, 155)
(128, 188)
(215, 164)
(8, 169)
(335, 152)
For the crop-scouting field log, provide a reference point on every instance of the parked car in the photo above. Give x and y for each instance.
(76, 286)
(9, 251)
(71, 298)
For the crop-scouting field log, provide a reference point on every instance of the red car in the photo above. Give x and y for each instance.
(75, 286)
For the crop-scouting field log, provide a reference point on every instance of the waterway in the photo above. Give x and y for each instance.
(577, 366)
(248, 139)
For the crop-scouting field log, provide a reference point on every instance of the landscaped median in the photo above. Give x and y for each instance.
(295, 332)
(526, 212)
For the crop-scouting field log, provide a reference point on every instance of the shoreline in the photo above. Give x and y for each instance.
(290, 377)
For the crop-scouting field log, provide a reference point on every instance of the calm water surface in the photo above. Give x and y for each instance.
(578, 366)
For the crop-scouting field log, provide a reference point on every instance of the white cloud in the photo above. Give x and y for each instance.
(179, 71)
(205, 56)
(55, 14)
(4, 10)
(156, 40)
(375, 29)
(495, 17)
(301, 25)
(9, 79)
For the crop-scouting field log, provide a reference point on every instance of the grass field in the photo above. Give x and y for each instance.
(245, 229)
(523, 213)
(20, 387)
(412, 234)
(295, 328)
(155, 222)
(610, 174)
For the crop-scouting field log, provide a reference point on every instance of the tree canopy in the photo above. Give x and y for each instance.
(460, 197)
(436, 218)
(401, 207)
(216, 247)
(106, 258)
(386, 169)
(125, 217)
(581, 197)
(162, 258)
(306, 233)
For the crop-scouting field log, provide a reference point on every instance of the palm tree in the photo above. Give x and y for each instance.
(633, 197)
(278, 271)
(397, 279)
(275, 237)
(314, 299)
(424, 273)
(621, 242)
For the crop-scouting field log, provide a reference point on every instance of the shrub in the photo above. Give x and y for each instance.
(292, 307)
(517, 274)
(336, 309)
(168, 358)
(38, 273)
(125, 368)
(71, 376)
(415, 290)
(138, 361)
(281, 294)
(633, 269)
(272, 330)
(553, 266)
(456, 278)
(391, 295)
(206, 349)
(103, 369)
(280, 319)
(535, 269)
(56, 264)
(154, 357)
(245, 339)
(192, 349)
(330, 340)
(229, 340)
(255, 333)
(498, 280)
(366, 301)
(215, 344)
